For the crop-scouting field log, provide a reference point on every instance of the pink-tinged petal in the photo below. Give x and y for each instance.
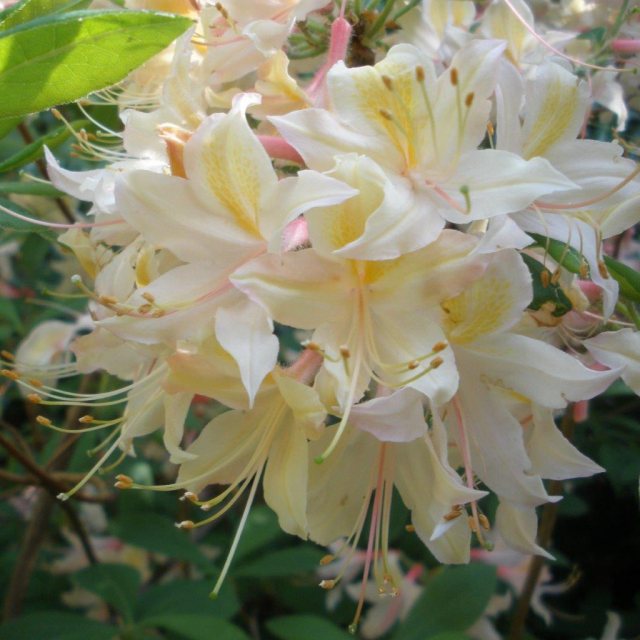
(551, 454)
(228, 168)
(176, 407)
(293, 196)
(499, 182)
(518, 527)
(619, 350)
(495, 441)
(164, 210)
(534, 369)
(299, 289)
(246, 332)
(395, 418)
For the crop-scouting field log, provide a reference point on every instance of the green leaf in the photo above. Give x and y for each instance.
(307, 627)
(565, 255)
(30, 189)
(545, 291)
(9, 314)
(627, 278)
(158, 534)
(35, 150)
(197, 627)
(56, 625)
(451, 601)
(187, 596)
(261, 529)
(116, 584)
(285, 562)
(7, 125)
(32, 9)
(21, 226)
(63, 58)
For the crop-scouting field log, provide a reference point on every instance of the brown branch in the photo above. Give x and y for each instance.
(545, 531)
(42, 168)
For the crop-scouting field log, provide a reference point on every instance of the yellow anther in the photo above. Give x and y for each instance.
(56, 114)
(420, 74)
(602, 268)
(186, 524)
(555, 278)
(190, 496)
(327, 584)
(12, 375)
(409, 528)
(452, 515)
(45, 422)
(145, 308)
(34, 382)
(327, 559)
(7, 355)
(107, 300)
(545, 279)
(454, 76)
(440, 346)
(473, 525)
(34, 398)
(158, 313)
(436, 362)
(87, 419)
(490, 129)
(484, 521)
(468, 101)
(148, 297)
(388, 83)
(123, 481)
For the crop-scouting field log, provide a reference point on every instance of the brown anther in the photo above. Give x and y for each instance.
(312, 346)
(45, 422)
(12, 375)
(7, 355)
(602, 268)
(107, 300)
(545, 278)
(87, 419)
(454, 76)
(190, 496)
(327, 559)
(409, 528)
(555, 278)
(490, 130)
(344, 351)
(159, 313)
(34, 382)
(148, 297)
(468, 101)
(436, 362)
(55, 113)
(123, 481)
(420, 74)
(186, 524)
(34, 398)
(222, 10)
(473, 525)
(327, 584)
(145, 308)
(388, 83)
(484, 522)
(385, 114)
(440, 346)
(584, 271)
(414, 364)
(452, 515)
(121, 485)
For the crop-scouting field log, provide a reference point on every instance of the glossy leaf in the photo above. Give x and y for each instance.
(63, 58)
(30, 189)
(32, 9)
(451, 601)
(56, 625)
(627, 278)
(307, 627)
(197, 627)
(565, 255)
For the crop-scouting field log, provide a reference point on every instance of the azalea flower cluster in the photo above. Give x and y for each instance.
(419, 203)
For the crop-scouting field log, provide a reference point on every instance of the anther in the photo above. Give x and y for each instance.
(108, 300)
(186, 524)
(327, 559)
(602, 268)
(420, 74)
(34, 382)
(123, 481)
(7, 355)
(545, 279)
(385, 114)
(414, 364)
(145, 308)
(148, 297)
(344, 351)
(436, 362)
(555, 278)
(45, 422)
(439, 346)
(473, 525)
(490, 129)
(452, 515)
(87, 419)
(454, 77)
(34, 398)
(484, 521)
(327, 584)
(12, 375)
(468, 101)
(158, 314)
(388, 83)
(190, 496)
(409, 528)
